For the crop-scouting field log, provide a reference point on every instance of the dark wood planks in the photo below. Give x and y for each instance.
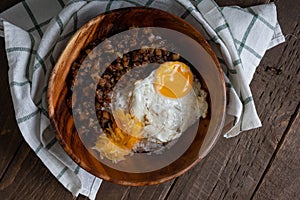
(233, 170)
(27, 178)
(5, 4)
(282, 180)
(121, 192)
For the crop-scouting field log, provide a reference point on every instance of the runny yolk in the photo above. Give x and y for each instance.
(173, 79)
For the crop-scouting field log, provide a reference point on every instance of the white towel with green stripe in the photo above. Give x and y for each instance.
(36, 32)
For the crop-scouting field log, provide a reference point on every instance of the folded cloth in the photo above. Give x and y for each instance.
(36, 32)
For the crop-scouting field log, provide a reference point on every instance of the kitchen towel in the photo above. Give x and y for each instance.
(37, 31)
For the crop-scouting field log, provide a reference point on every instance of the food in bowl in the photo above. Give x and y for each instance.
(145, 99)
(78, 139)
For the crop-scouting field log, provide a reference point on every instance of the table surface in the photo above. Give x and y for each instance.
(259, 164)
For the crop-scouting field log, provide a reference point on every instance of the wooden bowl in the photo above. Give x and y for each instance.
(205, 61)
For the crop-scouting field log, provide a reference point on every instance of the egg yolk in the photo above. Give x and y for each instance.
(173, 79)
(126, 130)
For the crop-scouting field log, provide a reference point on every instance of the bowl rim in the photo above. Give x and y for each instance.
(69, 150)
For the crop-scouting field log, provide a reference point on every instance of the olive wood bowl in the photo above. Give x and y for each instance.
(209, 129)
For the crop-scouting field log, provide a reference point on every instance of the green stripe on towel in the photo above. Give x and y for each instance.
(61, 173)
(246, 34)
(27, 117)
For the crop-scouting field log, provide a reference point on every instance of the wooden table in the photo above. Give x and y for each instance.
(260, 164)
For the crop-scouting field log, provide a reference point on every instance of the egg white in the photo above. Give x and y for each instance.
(165, 118)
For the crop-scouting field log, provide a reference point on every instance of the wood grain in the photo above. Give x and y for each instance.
(235, 166)
(282, 180)
(279, 179)
(224, 166)
(147, 192)
(28, 176)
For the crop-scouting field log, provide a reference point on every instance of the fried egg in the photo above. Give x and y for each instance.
(157, 111)
(168, 101)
